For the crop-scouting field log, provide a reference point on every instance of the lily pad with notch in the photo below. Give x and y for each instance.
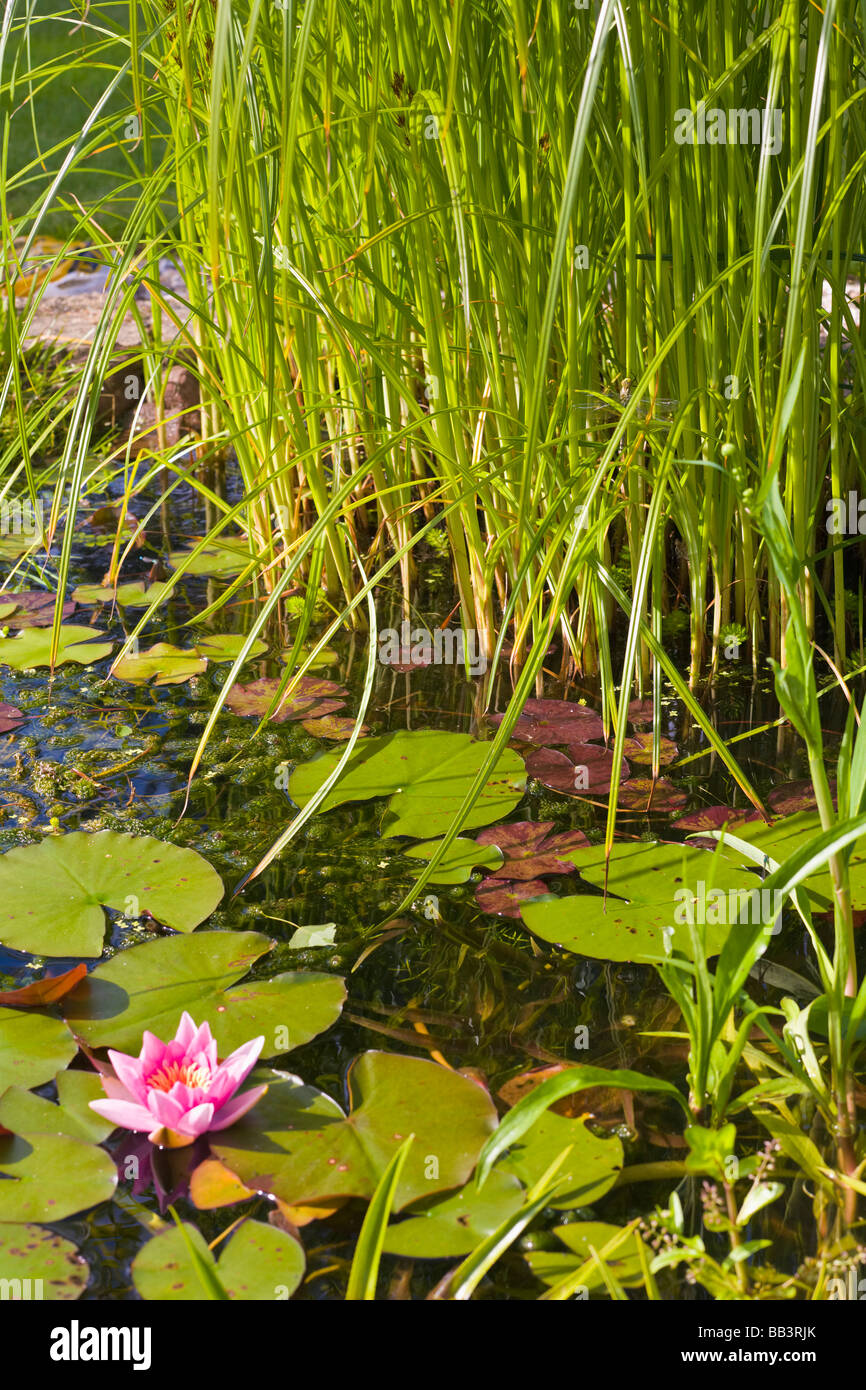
(312, 698)
(426, 774)
(151, 985)
(460, 858)
(254, 1263)
(585, 769)
(78, 875)
(32, 647)
(163, 664)
(544, 722)
(530, 850)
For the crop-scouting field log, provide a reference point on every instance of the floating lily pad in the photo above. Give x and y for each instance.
(224, 557)
(297, 1144)
(782, 838)
(52, 1265)
(455, 1224)
(136, 594)
(639, 748)
(311, 698)
(713, 818)
(530, 850)
(45, 991)
(427, 774)
(544, 722)
(33, 1047)
(52, 894)
(502, 897)
(623, 1262)
(23, 1112)
(640, 712)
(226, 646)
(162, 663)
(35, 608)
(460, 858)
(54, 1176)
(646, 889)
(333, 727)
(591, 1168)
(10, 718)
(6, 610)
(585, 770)
(641, 794)
(792, 797)
(150, 986)
(306, 937)
(259, 1262)
(32, 647)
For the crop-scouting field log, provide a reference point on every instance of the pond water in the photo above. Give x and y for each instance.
(446, 978)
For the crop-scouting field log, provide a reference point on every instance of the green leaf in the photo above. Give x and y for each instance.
(150, 986)
(459, 859)
(33, 1047)
(647, 886)
(56, 1271)
(786, 838)
(227, 646)
(162, 663)
(80, 874)
(220, 556)
(427, 775)
(364, 1272)
(298, 1145)
(455, 1224)
(710, 1149)
(322, 935)
(133, 595)
(591, 1169)
(26, 1113)
(54, 1176)
(258, 1263)
(32, 647)
(623, 1262)
(521, 1117)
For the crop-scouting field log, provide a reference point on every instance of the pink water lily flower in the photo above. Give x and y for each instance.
(178, 1090)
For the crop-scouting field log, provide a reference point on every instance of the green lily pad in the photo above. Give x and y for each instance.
(162, 663)
(52, 894)
(136, 594)
(54, 1175)
(592, 1167)
(33, 1047)
(623, 1263)
(426, 774)
(226, 646)
(784, 837)
(258, 1262)
(459, 859)
(455, 1224)
(298, 1145)
(32, 647)
(26, 1113)
(642, 901)
(53, 1266)
(150, 986)
(321, 935)
(225, 557)
(6, 610)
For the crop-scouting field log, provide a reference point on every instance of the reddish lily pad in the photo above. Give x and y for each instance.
(10, 718)
(45, 991)
(503, 898)
(545, 722)
(640, 749)
(792, 797)
(530, 850)
(312, 698)
(584, 770)
(35, 608)
(713, 818)
(640, 712)
(333, 727)
(641, 794)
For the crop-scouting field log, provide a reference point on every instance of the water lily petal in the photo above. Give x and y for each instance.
(124, 1113)
(240, 1063)
(167, 1110)
(238, 1106)
(129, 1072)
(197, 1120)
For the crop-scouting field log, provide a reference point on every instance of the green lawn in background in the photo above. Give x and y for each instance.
(50, 110)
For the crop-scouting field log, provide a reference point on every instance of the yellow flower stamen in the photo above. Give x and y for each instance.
(191, 1074)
